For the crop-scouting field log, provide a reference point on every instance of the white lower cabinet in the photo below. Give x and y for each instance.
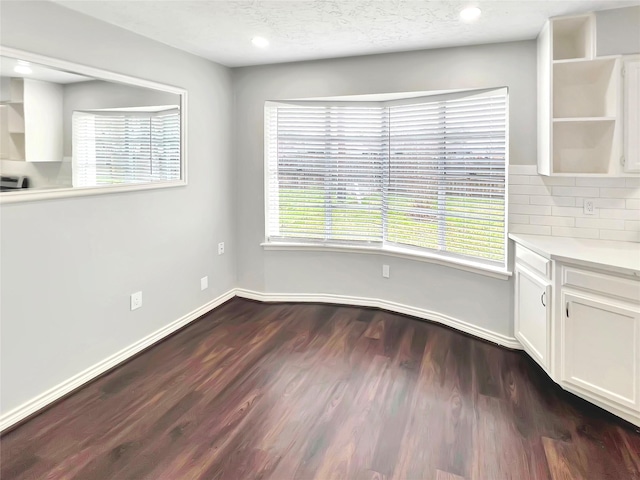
(532, 314)
(581, 323)
(600, 349)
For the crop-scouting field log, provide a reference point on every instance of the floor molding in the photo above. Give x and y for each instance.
(461, 325)
(43, 400)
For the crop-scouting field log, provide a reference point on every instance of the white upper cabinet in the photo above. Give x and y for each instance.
(580, 117)
(31, 121)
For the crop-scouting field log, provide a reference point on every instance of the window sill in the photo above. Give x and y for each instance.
(460, 264)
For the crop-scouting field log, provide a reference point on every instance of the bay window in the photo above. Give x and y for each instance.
(422, 175)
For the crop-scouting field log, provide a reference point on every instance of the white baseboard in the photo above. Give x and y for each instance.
(35, 404)
(32, 406)
(461, 325)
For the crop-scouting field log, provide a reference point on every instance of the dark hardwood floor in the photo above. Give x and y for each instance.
(282, 391)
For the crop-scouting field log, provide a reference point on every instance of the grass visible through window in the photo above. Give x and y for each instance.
(469, 223)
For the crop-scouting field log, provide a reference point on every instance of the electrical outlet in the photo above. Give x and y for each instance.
(204, 283)
(589, 207)
(136, 300)
(220, 248)
(385, 271)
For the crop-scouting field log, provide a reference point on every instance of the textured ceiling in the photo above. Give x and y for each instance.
(221, 30)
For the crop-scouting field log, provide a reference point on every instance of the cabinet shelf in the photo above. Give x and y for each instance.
(585, 88)
(579, 101)
(584, 147)
(583, 119)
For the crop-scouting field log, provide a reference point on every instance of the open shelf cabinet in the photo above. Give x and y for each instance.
(579, 102)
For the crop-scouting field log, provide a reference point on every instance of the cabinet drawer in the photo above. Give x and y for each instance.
(536, 262)
(600, 283)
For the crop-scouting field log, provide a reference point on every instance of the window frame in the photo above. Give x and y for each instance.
(385, 247)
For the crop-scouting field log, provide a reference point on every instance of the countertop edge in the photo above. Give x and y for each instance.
(544, 249)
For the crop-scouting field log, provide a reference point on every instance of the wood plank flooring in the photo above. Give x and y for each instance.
(284, 391)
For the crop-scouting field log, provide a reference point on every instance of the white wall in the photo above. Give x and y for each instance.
(485, 302)
(618, 31)
(69, 265)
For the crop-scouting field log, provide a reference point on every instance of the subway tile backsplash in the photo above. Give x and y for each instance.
(554, 206)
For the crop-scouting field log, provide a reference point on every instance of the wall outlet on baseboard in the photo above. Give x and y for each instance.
(589, 208)
(136, 300)
(220, 248)
(204, 283)
(385, 271)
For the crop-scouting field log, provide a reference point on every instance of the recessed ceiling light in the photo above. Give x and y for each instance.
(470, 14)
(260, 42)
(22, 69)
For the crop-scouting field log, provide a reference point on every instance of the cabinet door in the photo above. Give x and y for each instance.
(600, 352)
(632, 115)
(43, 121)
(532, 310)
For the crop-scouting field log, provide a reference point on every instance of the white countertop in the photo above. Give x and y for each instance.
(599, 252)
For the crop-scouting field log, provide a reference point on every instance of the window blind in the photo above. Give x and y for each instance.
(446, 188)
(325, 173)
(165, 145)
(420, 174)
(122, 147)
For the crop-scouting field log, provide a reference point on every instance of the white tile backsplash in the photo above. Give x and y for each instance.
(619, 235)
(600, 182)
(530, 229)
(552, 221)
(551, 200)
(633, 182)
(519, 199)
(575, 232)
(575, 192)
(632, 225)
(619, 213)
(606, 203)
(530, 209)
(542, 205)
(600, 223)
(530, 189)
(633, 204)
(567, 211)
(620, 192)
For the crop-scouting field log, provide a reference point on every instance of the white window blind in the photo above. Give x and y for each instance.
(425, 173)
(446, 188)
(325, 173)
(165, 145)
(122, 147)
